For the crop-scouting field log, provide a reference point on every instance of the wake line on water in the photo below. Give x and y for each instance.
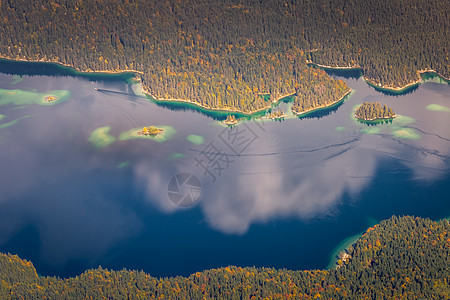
(428, 133)
(416, 149)
(298, 166)
(127, 94)
(354, 140)
(340, 152)
(120, 93)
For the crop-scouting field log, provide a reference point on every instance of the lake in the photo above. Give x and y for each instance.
(79, 190)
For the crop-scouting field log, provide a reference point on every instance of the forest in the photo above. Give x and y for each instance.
(227, 54)
(400, 258)
(370, 111)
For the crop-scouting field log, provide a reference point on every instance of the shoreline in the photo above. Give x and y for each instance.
(187, 101)
(168, 101)
(371, 82)
(299, 114)
(146, 92)
(374, 120)
(406, 87)
(212, 109)
(308, 62)
(343, 247)
(76, 69)
(397, 90)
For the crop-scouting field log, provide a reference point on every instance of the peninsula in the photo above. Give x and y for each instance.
(220, 62)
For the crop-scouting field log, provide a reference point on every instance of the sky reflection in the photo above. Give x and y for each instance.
(312, 178)
(68, 203)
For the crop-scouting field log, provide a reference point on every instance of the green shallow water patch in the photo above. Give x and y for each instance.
(433, 77)
(175, 156)
(341, 247)
(16, 79)
(195, 139)
(58, 96)
(372, 221)
(5, 125)
(437, 107)
(21, 97)
(123, 164)
(406, 133)
(403, 120)
(2, 117)
(18, 107)
(371, 129)
(137, 90)
(339, 128)
(100, 137)
(166, 135)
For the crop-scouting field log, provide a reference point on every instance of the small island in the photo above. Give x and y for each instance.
(372, 111)
(158, 133)
(230, 120)
(275, 115)
(150, 130)
(50, 99)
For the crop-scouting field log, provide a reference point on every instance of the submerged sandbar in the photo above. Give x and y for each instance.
(100, 137)
(20, 97)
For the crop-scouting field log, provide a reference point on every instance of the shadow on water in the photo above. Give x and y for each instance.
(22, 68)
(28, 240)
(25, 68)
(174, 106)
(357, 73)
(431, 75)
(375, 122)
(405, 91)
(215, 115)
(318, 114)
(130, 93)
(346, 73)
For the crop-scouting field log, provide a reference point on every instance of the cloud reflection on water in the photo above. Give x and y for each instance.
(307, 185)
(54, 197)
(71, 195)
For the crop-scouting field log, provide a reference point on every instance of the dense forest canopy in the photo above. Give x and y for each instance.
(400, 258)
(225, 54)
(370, 111)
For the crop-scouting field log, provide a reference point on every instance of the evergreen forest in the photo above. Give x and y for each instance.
(227, 54)
(370, 111)
(400, 258)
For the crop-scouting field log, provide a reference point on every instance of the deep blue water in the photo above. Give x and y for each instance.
(283, 195)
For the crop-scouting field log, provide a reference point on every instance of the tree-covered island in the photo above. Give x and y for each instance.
(372, 111)
(225, 54)
(50, 99)
(230, 120)
(150, 130)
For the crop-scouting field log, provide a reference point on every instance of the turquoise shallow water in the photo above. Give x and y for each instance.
(74, 195)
